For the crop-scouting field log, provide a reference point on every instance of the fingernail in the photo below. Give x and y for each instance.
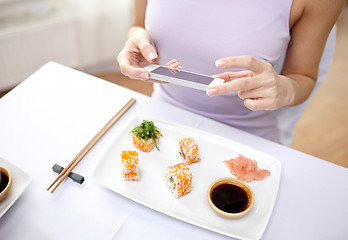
(219, 63)
(144, 76)
(179, 67)
(211, 91)
(152, 56)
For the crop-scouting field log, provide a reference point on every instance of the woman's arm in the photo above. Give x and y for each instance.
(308, 38)
(139, 50)
(139, 9)
(310, 23)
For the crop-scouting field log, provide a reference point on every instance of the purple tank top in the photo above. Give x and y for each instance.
(198, 32)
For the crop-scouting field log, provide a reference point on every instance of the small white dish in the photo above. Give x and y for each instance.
(20, 181)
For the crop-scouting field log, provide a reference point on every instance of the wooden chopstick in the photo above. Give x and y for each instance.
(67, 170)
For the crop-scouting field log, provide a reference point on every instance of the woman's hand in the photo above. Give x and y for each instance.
(260, 86)
(139, 52)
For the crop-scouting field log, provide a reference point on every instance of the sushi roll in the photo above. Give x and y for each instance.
(129, 161)
(142, 145)
(179, 179)
(130, 171)
(146, 136)
(189, 151)
(131, 176)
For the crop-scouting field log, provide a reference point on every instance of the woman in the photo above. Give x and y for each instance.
(238, 41)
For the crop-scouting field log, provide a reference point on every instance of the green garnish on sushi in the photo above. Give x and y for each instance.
(147, 130)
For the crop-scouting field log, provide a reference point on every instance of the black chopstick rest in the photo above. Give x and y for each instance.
(74, 176)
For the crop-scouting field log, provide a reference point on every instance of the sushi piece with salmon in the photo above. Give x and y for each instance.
(189, 151)
(146, 136)
(178, 179)
(130, 171)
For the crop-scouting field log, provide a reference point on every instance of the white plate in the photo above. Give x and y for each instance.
(194, 208)
(20, 181)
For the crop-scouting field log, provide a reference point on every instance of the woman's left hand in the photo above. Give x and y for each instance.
(260, 86)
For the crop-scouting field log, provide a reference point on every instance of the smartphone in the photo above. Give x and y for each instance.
(182, 78)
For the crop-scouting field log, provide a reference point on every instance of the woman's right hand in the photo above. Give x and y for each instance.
(139, 52)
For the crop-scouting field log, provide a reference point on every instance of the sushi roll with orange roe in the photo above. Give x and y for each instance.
(131, 176)
(189, 151)
(179, 179)
(146, 136)
(130, 171)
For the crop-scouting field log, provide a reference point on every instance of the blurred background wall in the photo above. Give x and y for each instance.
(83, 34)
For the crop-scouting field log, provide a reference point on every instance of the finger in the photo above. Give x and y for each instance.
(247, 62)
(229, 76)
(131, 71)
(252, 104)
(240, 84)
(171, 62)
(174, 65)
(173, 70)
(259, 104)
(147, 50)
(253, 93)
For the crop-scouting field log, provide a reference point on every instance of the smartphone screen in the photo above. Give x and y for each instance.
(192, 77)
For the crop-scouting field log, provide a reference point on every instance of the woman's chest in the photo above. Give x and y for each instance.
(214, 29)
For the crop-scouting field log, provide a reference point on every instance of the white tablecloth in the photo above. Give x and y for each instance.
(53, 114)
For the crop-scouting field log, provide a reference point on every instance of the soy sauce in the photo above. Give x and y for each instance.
(3, 181)
(230, 198)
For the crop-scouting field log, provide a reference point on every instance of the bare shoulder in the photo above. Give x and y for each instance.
(324, 9)
(312, 10)
(310, 24)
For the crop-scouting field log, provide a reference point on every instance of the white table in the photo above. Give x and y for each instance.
(54, 113)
